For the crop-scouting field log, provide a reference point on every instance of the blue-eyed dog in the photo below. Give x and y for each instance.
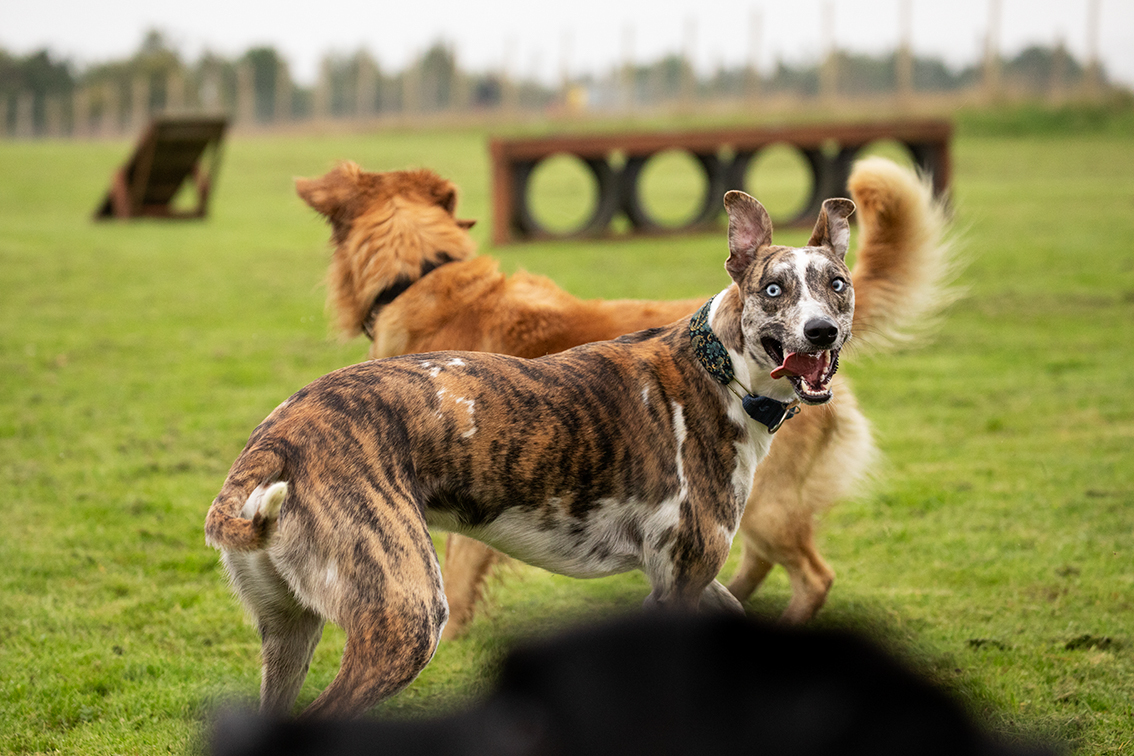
(631, 454)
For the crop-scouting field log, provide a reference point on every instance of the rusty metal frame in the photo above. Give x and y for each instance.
(616, 163)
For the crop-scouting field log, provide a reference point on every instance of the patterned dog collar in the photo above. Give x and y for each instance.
(713, 356)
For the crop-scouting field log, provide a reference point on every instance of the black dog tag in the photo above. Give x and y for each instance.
(771, 412)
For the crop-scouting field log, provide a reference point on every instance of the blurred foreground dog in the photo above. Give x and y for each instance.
(404, 273)
(666, 685)
(633, 454)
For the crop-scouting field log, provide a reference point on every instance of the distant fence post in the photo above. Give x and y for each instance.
(245, 94)
(81, 112)
(111, 110)
(411, 90)
(25, 115)
(991, 74)
(53, 117)
(210, 94)
(174, 92)
(323, 91)
(139, 103)
(281, 106)
(366, 88)
(903, 60)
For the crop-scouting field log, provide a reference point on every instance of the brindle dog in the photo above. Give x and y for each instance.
(632, 454)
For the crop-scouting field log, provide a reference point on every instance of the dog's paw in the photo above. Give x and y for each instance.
(717, 598)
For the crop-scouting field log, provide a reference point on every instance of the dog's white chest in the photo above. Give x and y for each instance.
(749, 452)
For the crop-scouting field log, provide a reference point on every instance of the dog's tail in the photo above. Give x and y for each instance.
(245, 511)
(904, 263)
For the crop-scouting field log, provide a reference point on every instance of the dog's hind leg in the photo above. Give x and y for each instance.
(386, 648)
(816, 460)
(778, 529)
(829, 461)
(289, 632)
(788, 541)
(467, 563)
(391, 603)
(811, 580)
(288, 643)
(750, 573)
(773, 517)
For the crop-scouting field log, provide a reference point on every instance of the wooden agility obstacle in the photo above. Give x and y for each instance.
(616, 162)
(172, 150)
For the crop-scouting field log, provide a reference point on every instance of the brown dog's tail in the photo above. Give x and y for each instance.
(245, 511)
(904, 260)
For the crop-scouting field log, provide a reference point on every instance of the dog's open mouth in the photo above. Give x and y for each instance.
(809, 373)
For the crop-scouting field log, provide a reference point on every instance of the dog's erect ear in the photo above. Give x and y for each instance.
(749, 229)
(329, 194)
(832, 230)
(448, 199)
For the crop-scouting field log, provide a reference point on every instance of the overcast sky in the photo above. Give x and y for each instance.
(541, 38)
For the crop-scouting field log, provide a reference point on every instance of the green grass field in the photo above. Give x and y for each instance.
(994, 550)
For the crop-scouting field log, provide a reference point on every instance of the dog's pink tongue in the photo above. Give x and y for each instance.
(809, 366)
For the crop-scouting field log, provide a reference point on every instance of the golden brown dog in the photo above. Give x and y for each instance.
(404, 272)
(632, 454)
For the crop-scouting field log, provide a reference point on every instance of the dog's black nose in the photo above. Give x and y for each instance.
(821, 332)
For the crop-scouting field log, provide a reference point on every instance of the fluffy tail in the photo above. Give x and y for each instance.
(904, 261)
(245, 511)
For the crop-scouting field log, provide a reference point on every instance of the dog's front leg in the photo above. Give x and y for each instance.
(682, 572)
(717, 598)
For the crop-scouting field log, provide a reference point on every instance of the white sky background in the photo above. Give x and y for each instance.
(531, 38)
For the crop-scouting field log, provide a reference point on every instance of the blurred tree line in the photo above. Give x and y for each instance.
(43, 94)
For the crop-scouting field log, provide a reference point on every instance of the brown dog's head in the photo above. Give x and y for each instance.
(389, 229)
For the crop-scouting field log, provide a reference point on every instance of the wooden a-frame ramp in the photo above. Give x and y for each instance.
(172, 149)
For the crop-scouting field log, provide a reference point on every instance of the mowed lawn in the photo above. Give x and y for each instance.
(994, 550)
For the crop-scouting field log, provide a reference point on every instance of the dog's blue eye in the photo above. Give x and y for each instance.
(839, 285)
(773, 290)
